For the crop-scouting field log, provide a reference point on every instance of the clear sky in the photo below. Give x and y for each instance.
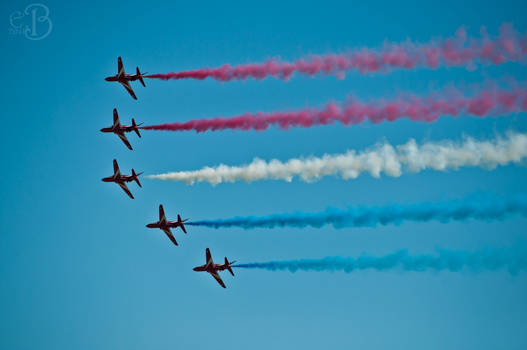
(78, 268)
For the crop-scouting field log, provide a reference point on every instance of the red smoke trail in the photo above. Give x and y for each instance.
(455, 51)
(429, 108)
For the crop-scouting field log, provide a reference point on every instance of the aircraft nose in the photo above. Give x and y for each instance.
(195, 269)
(107, 79)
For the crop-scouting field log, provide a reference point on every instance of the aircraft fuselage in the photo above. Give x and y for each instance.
(108, 129)
(211, 268)
(161, 225)
(118, 179)
(122, 128)
(123, 79)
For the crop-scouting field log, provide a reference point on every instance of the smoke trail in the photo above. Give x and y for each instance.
(383, 158)
(459, 50)
(482, 209)
(512, 259)
(454, 103)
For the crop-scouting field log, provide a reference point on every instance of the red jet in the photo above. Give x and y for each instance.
(121, 180)
(125, 79)
(119, 129)
(165, 224)
(213, 268)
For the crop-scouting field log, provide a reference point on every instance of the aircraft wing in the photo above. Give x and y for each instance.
(120, 68)
(125, 140)
(218, 278)
(115, 118)
(169, 235)
(128, 88)
(208, 258)
(125, 188)
(116, 168)
(161, 213)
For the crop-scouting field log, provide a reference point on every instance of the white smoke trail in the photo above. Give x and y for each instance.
(381, 158)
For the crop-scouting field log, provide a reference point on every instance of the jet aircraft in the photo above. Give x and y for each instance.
(165, 224)
(119, 129)
(121, 180)
(125, 79)
(213, 268)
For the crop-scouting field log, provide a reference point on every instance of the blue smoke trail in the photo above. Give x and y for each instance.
(512, 259)
(483, 209)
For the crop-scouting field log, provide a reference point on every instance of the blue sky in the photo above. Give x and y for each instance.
(80, 270)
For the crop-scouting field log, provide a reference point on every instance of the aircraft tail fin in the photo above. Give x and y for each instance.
(135, 176)
(140, 76)
(136, 127)
(228, 265)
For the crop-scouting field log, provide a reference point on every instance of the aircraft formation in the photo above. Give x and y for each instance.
(163, 223)
(384, 158)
